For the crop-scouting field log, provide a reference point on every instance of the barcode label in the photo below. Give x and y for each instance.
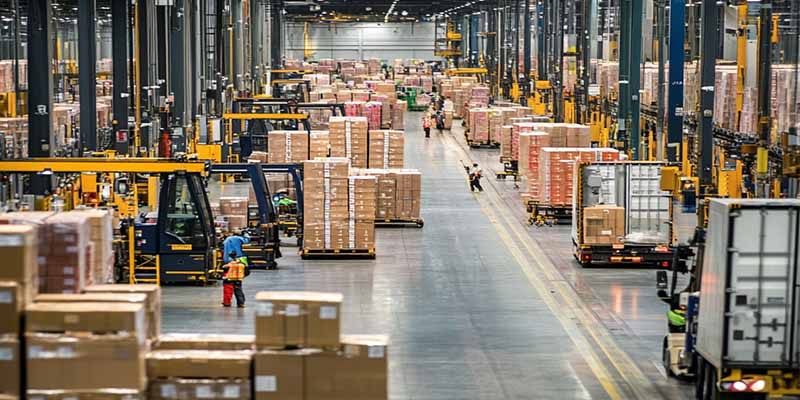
(168, 391)
(327, 312)
(266, 383)
(292, 310)
(264, 309)
(376, 352)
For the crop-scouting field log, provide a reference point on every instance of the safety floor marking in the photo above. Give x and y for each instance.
(562, 300)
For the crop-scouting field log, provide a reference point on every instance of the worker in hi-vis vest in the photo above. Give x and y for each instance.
(234, 273)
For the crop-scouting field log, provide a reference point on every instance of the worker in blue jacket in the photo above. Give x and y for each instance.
(233, 245)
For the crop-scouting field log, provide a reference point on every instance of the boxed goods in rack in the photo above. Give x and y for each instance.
(287, 146)
(386, 149)
(319, 144)
(348, 138)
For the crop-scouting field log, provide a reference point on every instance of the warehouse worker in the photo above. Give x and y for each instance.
(233, 275)
(233, 245)
(475, 175)
(426, 125)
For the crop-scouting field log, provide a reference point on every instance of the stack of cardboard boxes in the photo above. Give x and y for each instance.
(478, 125)
(234, 211)
(603, 224)
(101, 235)
(349, 139)
(287, 146)
(339, 209)
(398, 193)
(319, 144)
(530, 145)
(301, 354)
(398, 115)
(17, 290)
(84, 349)
(65, 259)
(15, 130)
(386, 149)
(556, 168)
(199, 374)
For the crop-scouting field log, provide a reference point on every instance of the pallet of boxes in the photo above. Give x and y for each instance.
(339, 210)
(301, 355)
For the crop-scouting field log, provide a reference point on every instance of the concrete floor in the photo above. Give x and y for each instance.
(477, 304)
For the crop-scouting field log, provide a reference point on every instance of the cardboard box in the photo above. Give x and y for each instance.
(86, 317)
(152, 307)
(19, 254)
(180, 388)
(84, 362)
(603, 224)
(10, 308)
(358, 371)
(279, 374)
(199, 364)
(99, 394)
(303, 319)
(204, 341)
(10, 365)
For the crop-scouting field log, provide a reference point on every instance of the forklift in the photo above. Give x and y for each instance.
(171, 241)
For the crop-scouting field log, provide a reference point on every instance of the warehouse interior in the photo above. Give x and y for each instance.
(399, 199)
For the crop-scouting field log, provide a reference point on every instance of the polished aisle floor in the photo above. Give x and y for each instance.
(477, 305)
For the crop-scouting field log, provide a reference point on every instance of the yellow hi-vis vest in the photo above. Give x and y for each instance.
(235, 271)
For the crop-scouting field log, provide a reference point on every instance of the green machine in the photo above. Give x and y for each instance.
(409, 94)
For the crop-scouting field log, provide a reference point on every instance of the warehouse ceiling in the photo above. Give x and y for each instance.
(394, 10)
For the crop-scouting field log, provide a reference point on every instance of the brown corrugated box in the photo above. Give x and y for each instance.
(153, 306)
(10, 308)
(19, 254)
(279, 374)
(199, 364)
(101, 236)
(10, 379)
(179, 389)
(305, 319)
(67, 362)
(204, 341)
(359, 371)
(99, 394)
(67, 235)
(603, 224)
(85, 317)
(97, 297)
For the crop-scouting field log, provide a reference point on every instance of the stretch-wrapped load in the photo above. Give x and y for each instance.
(556, 168)
(372, 111)
(287, 146)
(530, 146)
(478, 125)
(101, 236)
(354, 108)
(386, 149)
(67, 254)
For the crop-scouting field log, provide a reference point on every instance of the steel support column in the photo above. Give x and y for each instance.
(623, 122)
(525, 84)
(87, 74)
(635, 76)
(764, 97)
(677, 32)
(708, 56)
(276, 25)
(119, 102)
(40, 57)
(177, 65)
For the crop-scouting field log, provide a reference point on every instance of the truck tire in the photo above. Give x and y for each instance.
(665, 358)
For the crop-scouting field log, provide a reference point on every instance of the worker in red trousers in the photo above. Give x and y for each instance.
(234, 273)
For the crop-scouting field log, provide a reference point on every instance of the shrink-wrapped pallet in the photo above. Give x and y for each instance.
(556, 168)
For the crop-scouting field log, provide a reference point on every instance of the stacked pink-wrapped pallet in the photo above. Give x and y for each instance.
(608, 78)
(459, 103)
(386, 108)
(748, 120)
(423, 100)
(479, 125)
(530, 145)
(427, 83)
(506, 146)
(556, 169)
(360, 95)
(725, 97)
(372, 110)
(479, 95)
(565, 134)
(343, 96)
(412, 80)
(354, 108)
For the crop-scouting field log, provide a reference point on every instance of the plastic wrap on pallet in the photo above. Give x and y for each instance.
(556, 169)
(372, 111)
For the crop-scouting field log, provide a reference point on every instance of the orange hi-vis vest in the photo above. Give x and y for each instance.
(235, 271)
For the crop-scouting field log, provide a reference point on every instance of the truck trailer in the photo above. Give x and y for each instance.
(748, 338)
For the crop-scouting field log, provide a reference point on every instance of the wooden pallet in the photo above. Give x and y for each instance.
(419, 223)
(337, 253)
